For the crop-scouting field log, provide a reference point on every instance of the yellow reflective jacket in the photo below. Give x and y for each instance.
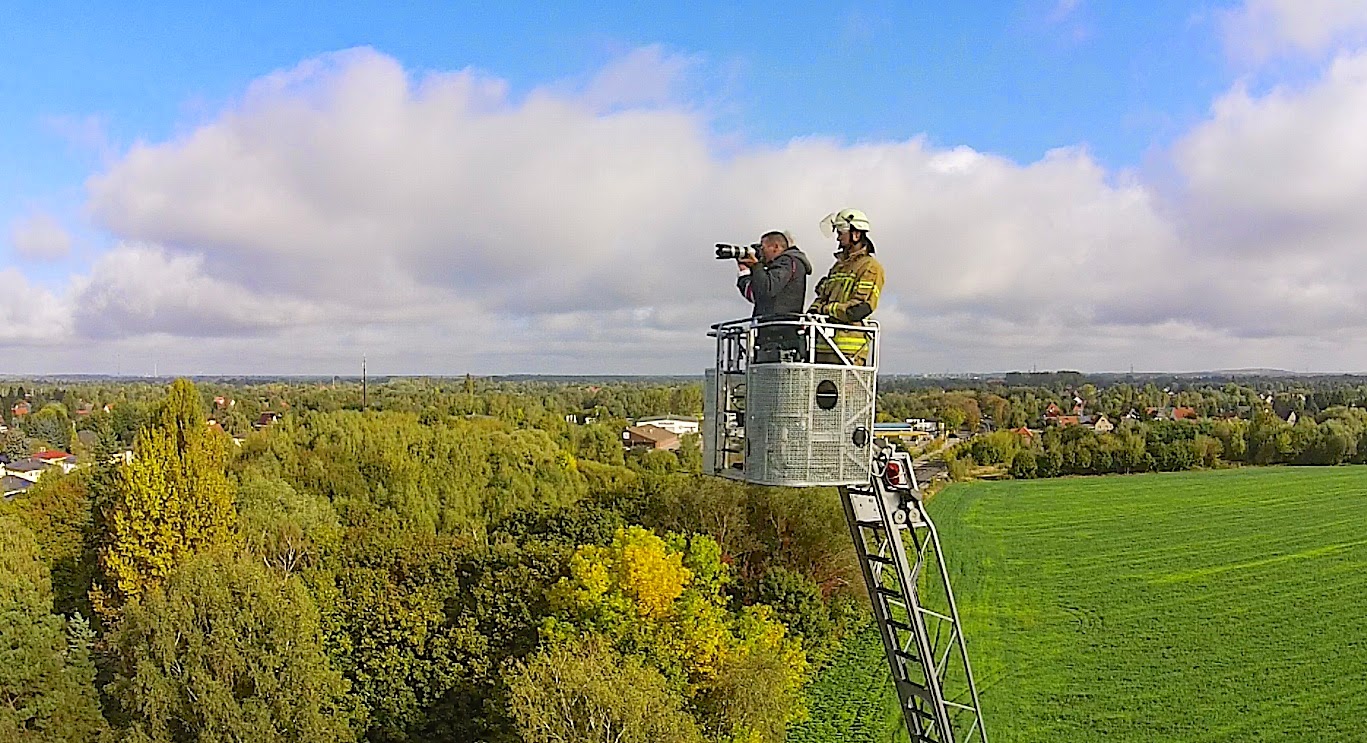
(850, 283)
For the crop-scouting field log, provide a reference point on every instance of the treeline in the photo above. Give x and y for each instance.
(441, 569)
(115, 411)
(1337, 436)
(974, 404)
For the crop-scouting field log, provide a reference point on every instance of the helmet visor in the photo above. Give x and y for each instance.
(832, 224)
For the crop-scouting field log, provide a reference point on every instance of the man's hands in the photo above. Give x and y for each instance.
(748, 261)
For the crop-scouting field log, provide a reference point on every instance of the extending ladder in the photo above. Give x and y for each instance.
(908, 583)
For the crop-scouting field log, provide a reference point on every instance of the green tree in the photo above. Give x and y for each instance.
(287, 529)
(584, 691)
(52, 426)
(690, 453)
(225, 651)
(797, 601)
(599, 443)
(47, 679)
(58, 511)
(1023, 466)
(14, 444)
(173, 500)
(953, 418)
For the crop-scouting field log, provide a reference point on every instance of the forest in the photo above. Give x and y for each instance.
(481, 559)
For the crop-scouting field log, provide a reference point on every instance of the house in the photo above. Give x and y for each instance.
(267, 418)
(221, 402)
(1054, 416)
(28, 469)
(12, 485)
(650, 436)
(676, 426)
(1184, 414)
(929, 425)
(55, 458)
(21, 409)
(1103, 425)
(904, 430)
(1024, 433)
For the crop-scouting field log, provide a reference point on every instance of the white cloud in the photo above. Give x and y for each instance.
(30, 315)
(40, 237)
(136, 290)
(1263, 29)
(439, 225)
(1272, 208)
(345, 182)
(644, 76)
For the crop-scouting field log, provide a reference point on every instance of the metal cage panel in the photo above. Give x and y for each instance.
(793, 439)
(710, 463)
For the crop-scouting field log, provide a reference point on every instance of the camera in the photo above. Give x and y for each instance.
(736, 252)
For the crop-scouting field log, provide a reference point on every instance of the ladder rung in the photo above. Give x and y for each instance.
(881, 559)
(871, 524)
(904, 655)
(924, 715)
(913, 689)
(935, 614)
(898, 625)
(889, 592)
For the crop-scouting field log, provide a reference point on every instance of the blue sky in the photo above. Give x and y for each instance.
(1121, 85)
(1013, 78)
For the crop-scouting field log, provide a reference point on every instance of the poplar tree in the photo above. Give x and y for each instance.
(172, 501)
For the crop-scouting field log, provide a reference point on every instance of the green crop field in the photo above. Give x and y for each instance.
(1202, 606)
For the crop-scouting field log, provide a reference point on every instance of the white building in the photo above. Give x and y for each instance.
(676, 426)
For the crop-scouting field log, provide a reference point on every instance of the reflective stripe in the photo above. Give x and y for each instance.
(850, 343)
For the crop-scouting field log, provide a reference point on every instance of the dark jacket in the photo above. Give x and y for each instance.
(780, 287)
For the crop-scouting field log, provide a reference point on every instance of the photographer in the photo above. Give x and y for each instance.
(775, 281)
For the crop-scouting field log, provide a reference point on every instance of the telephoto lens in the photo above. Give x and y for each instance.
(726, 251)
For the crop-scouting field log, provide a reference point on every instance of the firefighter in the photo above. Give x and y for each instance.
(849, 292)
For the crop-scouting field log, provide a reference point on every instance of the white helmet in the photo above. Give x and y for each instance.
(845, 219)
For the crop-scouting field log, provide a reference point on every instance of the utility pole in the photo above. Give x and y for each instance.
(363, 383)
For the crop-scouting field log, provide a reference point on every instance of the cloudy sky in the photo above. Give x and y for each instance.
(1169, 185)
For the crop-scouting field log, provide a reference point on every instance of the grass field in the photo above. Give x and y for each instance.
(1203, 606)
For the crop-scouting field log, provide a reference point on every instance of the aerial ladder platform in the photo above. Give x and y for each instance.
(783, 406)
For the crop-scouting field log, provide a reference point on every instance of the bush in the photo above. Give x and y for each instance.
(1024, 467)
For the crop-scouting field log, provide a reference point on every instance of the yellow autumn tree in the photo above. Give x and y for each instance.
(739, 672)
(174, 499)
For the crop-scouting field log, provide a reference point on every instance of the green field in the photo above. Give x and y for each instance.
(1201, 606)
